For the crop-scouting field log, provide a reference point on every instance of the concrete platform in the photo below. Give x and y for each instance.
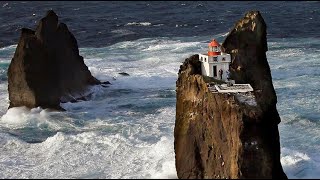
(233, 88)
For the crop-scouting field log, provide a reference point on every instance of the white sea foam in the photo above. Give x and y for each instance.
(285, 84)
(122, 32)
(11, 47)
(164, 65)
(138, 24)
(93, 154)
(22, 117)
(18, 115)
(4, 98)
(158, 24)
(225, 34)
(5, 4)
(299, 165)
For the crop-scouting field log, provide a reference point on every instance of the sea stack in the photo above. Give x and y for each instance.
(46, 68)
(221, 135)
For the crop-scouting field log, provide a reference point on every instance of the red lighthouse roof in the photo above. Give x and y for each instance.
(214, 43)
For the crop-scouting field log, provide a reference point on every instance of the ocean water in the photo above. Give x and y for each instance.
(126, 129)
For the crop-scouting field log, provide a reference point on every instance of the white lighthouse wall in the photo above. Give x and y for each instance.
(227, 58)
(205, 66)
(210, 72)
(223, 66)
(204, 69)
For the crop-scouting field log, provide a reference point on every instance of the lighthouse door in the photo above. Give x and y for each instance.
(214, 71)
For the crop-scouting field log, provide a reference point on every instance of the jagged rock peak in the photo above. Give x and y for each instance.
(46, 68)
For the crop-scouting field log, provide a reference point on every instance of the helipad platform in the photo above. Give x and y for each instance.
(224, 88)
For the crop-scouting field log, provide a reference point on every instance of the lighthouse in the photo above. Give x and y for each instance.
(215, 63)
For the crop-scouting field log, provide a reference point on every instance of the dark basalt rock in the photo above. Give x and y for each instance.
(218, 136)
(105, 84)
(46, 68)
(124, 74)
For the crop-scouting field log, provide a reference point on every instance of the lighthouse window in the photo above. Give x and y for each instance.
(214, 49)
(205, 59)
(201, 59)
(215, 58)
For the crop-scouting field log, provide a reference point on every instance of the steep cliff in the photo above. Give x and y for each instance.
(46, 68)
(218, 135)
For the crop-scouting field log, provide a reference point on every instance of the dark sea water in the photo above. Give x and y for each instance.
(126, 130)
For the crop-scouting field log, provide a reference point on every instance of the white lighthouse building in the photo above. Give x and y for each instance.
(215, 62)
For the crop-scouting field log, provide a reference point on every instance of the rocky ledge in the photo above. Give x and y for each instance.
(218, 135)
(46, 68)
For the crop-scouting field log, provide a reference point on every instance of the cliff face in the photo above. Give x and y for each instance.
(46, 68)
(219, 135)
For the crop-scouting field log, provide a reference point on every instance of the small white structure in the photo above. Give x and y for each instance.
(234, 88)
(215, 61)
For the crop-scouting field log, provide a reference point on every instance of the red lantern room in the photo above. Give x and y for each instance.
(214, 48)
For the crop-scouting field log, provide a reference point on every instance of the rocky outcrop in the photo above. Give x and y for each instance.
(217, 135)
(46, 68)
